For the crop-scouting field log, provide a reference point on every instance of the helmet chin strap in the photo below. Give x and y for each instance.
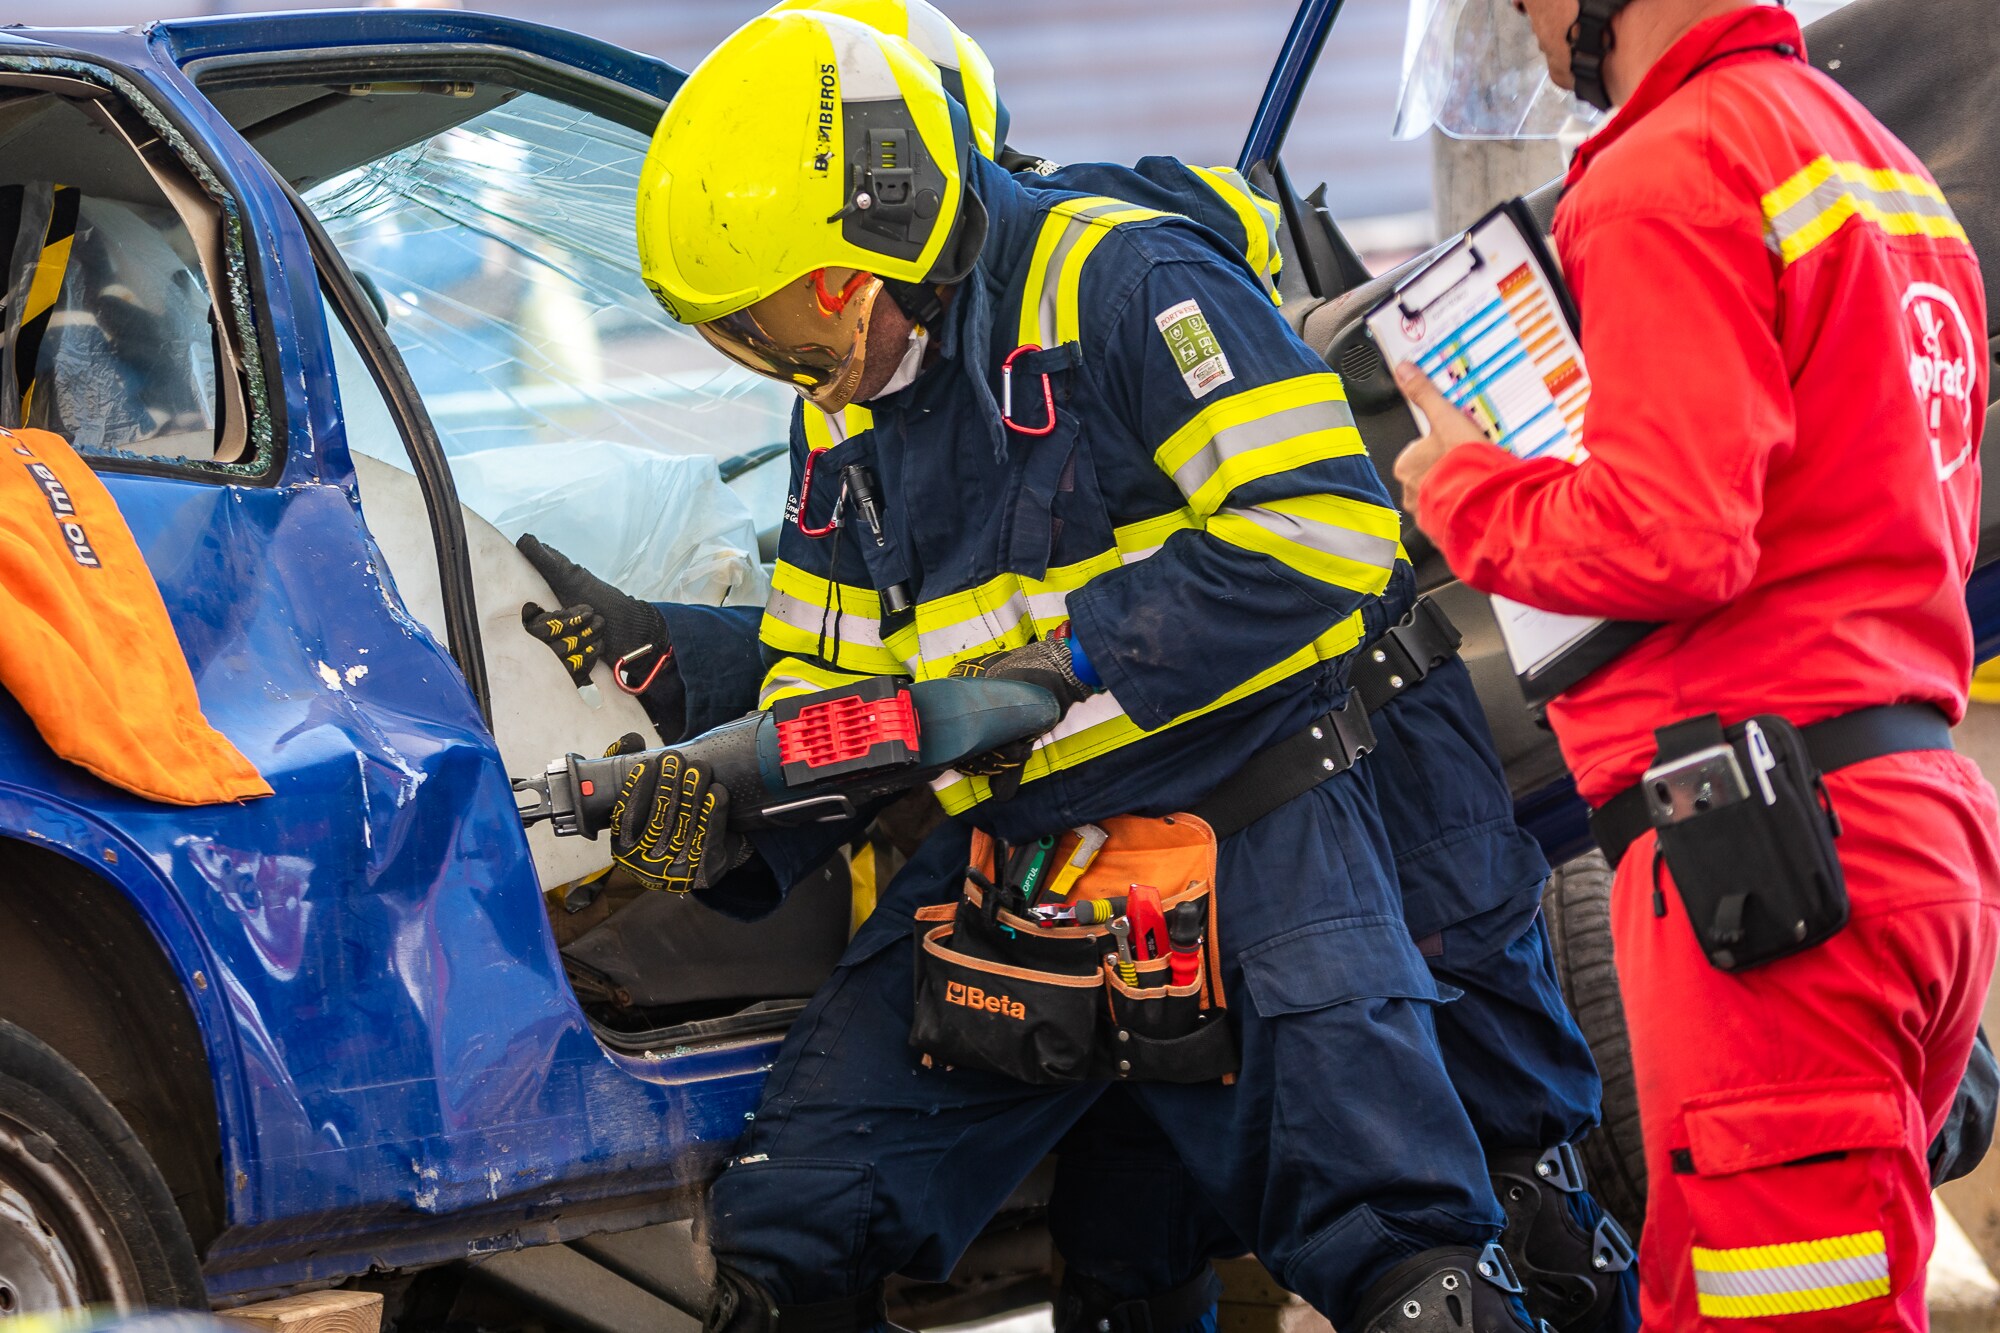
(1590, 41)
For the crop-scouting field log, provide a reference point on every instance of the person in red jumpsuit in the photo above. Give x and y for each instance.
(1784, 326)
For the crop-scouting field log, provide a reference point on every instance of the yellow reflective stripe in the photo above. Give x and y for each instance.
(1070, 231)
(796, 675)
(1348, 543)
(1795, 1252)
(1098, 725)
(1823, 197)
(823, 431)
(806, 614)
(1257, 216)
(1258, 433)
(1759, 1280)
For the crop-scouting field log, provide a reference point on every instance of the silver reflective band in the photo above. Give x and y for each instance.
(1234, 441)
(800, 614)
(1866, 1268)
(1326, 538)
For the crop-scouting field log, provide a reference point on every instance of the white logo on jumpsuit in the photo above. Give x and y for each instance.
(1941, 371)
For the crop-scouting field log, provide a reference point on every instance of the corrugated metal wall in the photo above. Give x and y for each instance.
(1085, 79)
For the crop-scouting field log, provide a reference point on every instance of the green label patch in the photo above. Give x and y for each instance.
(1197, 355)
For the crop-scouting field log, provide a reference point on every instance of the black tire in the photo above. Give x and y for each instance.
(1577, 906)
(85, 1217)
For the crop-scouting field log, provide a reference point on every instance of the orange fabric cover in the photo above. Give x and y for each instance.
(85, 643)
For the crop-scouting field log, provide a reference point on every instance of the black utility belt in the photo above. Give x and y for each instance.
(1384, 668)
(1746, 827)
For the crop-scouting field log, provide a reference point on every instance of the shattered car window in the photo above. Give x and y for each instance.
(570, 403)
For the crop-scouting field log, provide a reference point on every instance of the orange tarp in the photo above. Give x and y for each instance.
(85, 643)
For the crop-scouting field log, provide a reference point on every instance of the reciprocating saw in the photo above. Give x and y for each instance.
(817, 757)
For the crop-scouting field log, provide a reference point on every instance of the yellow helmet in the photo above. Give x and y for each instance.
(962, 67)
(809, 160)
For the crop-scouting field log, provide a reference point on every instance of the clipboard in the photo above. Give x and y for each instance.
(1490, 319)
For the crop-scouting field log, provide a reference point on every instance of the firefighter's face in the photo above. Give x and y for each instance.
(1552, 20)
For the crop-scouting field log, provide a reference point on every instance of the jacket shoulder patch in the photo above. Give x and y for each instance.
(1197, 355)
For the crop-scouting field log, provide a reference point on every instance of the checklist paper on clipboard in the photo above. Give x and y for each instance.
(1491, 323)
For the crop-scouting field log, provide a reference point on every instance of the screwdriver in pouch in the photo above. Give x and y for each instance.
(1184, 934)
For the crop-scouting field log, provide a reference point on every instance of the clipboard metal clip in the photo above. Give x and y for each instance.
(1438, 281)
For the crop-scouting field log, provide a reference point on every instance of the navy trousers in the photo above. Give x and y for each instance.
(1341, 1148)
(1126, 1214)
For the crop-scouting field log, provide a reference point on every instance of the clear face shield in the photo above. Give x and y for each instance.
(1471, 68)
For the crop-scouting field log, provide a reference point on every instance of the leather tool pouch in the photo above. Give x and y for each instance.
(1747, 830)
(998, 991)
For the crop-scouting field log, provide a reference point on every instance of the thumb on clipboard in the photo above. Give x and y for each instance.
(1446, 428)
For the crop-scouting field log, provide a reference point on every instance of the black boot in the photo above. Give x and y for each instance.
(1085, 1305)
(740, 1304)
(1571, 1255)
(1456, 1289)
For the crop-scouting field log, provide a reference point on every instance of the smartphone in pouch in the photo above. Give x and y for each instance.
(1747, 832)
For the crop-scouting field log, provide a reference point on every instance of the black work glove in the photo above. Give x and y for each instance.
(670, 826)
(574, 634)
(1044, 662)
(629, 625)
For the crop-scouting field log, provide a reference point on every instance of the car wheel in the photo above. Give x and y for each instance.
(1577, 905)
(85, 1217)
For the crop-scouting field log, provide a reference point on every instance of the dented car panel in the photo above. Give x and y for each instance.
(401, 1070)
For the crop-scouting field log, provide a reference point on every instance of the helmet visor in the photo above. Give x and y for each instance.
(812, 334)
(1473, 70)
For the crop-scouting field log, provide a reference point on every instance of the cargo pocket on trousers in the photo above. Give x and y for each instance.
(817, 1208)
(1793, 1200)
(1334, 962)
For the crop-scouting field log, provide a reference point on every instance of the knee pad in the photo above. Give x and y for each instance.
(1570, 1254)
(741, 1305)
(1085, 1305)
(1456, 1289)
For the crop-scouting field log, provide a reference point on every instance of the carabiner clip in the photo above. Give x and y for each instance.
(805, 495)
(618, 669)
(1007, 395)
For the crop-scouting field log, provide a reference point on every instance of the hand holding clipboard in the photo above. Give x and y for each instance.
(1492, 326)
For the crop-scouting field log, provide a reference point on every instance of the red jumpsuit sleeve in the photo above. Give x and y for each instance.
(1690, 404)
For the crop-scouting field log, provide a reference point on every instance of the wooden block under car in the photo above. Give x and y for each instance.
(312, 1312)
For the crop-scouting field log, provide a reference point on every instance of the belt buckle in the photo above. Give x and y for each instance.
(1352, 728)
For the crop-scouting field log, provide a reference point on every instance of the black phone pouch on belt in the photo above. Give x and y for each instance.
(1748, 833)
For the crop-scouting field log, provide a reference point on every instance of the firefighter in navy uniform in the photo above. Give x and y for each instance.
(1093, 457)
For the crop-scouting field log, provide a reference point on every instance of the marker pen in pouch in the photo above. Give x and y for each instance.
(1761, 759)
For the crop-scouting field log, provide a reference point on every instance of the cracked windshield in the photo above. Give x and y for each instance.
(502, 254)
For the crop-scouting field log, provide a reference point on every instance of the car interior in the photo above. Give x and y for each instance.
(112, 334)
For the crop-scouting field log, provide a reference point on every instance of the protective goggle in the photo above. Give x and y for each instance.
(811, 333)
(1471, 68)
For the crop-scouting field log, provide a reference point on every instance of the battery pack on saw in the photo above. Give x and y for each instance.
(863, 728)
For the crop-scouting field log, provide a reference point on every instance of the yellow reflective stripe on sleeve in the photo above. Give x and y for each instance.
(1049, 309)
(1348, 543)
(1259, 433)
(1256, 215)
(797, 675)
(1760, 1280)
(1810, 207)
(1098, 725)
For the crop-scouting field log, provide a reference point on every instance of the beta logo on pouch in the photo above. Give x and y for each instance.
(1197, 355)
(972, 997)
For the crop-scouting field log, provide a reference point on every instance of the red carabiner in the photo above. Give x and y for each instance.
(805, 495)
(1007, 395)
